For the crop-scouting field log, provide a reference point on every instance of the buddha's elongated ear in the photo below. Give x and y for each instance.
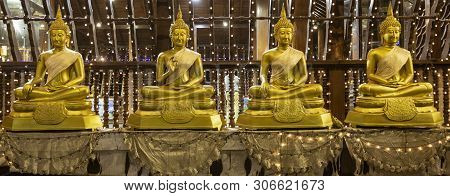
(68, 41)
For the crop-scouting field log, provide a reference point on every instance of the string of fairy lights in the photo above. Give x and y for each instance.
(439, 20)
(404, 149)
(277, 144)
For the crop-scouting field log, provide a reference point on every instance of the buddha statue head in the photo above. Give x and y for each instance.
(59, 31)
(390, 29)
(283, 29)
(179, 31)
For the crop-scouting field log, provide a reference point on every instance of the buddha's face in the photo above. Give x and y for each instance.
(391, 35)
(179, 37)
(59, 38)
(284, 36)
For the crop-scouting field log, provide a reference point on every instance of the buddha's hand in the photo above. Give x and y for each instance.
(185, 85)
(265, 89)
(27, 88)
(395, 84)
(172, 64)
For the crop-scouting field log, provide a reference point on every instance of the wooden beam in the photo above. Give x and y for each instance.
(231, 40)
(272, 15)
(401, 12)
(446, 45)
(414, 37)
(445, 27)
(337, 74)
(31, 30)
(132, 24)
(372, 26)
(429, 32)
(163, 38)
(155, 27)
(211, 30)
(437, 34)
(48, 11)
(69, 15)
(150, 15)
(11, 31)
(301, 8)
(112, 24)
(323, 37)
(360, 33)
(172, 12)
(91, 25)
(348, 46)
(2, 103)
(251, 25)
(308, 46)
(262, 28)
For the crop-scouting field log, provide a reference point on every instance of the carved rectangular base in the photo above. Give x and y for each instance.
(148, 122)
(421, 120)
(247, 121)
(71, 123)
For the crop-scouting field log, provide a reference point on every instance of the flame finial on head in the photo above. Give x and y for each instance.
(390, 11)
(390, 21)
(179, 23)
(180, 13)
(284, 22)
(59, 23)
(283, 12)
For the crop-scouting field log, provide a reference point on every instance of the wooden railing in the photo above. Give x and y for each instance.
(115, 85)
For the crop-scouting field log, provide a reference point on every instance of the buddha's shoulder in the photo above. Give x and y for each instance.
(404, 50)
(75, 53)
(192, 52)
(164, 54)
(270, 52)
(72, 51)
(381, 51)
(298, 52)
(375, 51)
(46, 53)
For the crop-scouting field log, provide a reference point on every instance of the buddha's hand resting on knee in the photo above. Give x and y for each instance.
(265, 89)
(27, 88)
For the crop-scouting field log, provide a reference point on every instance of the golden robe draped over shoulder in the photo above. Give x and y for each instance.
(59, 62)
(183, 61)
(392, 63)
(282, 65)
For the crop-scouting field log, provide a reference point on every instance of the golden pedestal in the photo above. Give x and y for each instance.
(51, 116)
(285, 114)
(176, 114)
(395, 112)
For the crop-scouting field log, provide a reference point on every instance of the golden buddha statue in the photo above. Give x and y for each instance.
(59, 104)
(390, 98)
(180, 101)
(284, 101)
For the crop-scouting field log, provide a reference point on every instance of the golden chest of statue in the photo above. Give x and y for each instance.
(287, 76)
(170, 63)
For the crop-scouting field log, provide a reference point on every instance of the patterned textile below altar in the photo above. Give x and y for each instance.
(295, 152)
(49, 153)
(175, 152)
(234, 152)
(398, 151)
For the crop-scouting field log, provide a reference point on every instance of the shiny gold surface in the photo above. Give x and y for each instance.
(180, 101)
(390, 98)
(284, 101)
(60, 103)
